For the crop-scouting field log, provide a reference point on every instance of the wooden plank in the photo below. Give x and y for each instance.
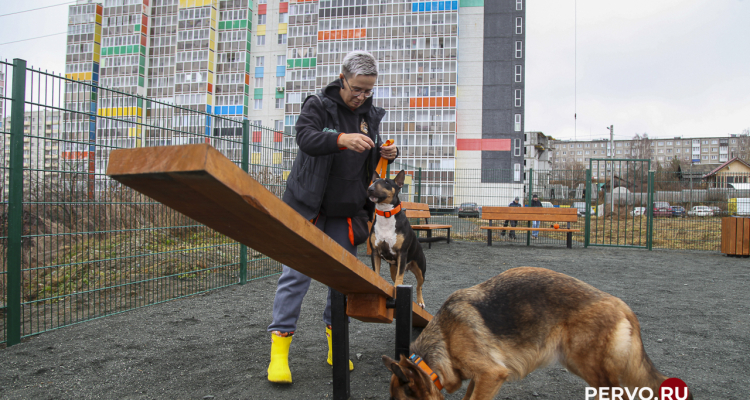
(724, 234)
(409, 205)
(746, 237)
(530, 210)
(417, 214)
(529, 217)
(733, 236)
(430, 227)
(517, 228)
(200, 182)
(368, 308)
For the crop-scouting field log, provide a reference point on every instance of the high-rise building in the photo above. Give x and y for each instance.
(190, 53)
(451, 75)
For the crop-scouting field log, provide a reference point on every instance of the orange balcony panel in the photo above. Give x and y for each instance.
(412, 102)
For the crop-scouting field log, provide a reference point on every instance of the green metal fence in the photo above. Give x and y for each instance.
(79, 246)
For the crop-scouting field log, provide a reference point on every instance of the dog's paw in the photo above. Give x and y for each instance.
(421, 305)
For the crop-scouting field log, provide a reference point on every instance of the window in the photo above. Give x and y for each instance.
(517, 124)
(283, 18)
(261, 40)
(517, 172)
(261, 19)
(281, 61)
(519, 25)
(519, 5)
(279, 104)
(258, 104)
(714, 142)
(519, 49)
(282, 38)
(280, 81)
(518, 97)
(519, 69)
(260, 61)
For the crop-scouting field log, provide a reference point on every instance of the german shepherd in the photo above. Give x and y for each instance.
(391, 237)
(516, 322)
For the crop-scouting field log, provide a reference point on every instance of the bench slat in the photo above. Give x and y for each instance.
(530, 210)
(408, 205)
(430, 227)
(417, 214)
(517, 228)
(530, 217)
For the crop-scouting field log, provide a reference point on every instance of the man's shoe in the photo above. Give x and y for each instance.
(330, 349)
(278, 369)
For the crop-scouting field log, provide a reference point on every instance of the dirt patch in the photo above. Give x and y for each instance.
(694, 310)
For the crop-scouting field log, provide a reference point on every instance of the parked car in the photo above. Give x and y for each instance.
(638, 211)
(581, 206)
(547, 204)
(662, 209)
(468, 210)
(717, 211)
(701, 211)
(678, 211)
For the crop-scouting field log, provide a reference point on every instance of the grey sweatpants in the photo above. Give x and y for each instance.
(293, 285)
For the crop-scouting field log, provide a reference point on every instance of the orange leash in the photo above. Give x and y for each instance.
(383, 163)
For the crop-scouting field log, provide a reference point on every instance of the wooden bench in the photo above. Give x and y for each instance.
(421, 210)
(542, 214)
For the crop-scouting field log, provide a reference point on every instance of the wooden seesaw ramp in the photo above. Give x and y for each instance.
(200, 182)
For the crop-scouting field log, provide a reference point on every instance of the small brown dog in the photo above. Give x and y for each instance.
(516, 322)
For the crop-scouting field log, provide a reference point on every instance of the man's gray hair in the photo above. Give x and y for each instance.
(359, 62)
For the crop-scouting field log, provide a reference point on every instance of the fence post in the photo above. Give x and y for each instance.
(419, 185)
(245, 167)
(531, 189)
(650, 224)
(587, 228)
(15, 202)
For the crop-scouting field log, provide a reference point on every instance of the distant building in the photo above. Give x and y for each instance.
(731, 172)
(697, 151)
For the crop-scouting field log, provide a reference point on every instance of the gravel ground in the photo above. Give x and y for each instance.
(694, 309)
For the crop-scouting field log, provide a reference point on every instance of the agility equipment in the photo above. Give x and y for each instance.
(200, 182)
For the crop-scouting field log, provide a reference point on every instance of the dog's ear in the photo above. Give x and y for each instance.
(394, 367)
(375, 177)
(400, 178)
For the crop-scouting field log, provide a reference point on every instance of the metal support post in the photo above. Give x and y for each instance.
(15, 203)
(245, 164)
(403, 315)
(340, 346)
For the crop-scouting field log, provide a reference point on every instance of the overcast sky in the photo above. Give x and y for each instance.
(662, 67)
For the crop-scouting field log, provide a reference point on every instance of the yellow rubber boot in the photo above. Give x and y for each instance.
(330, 349)
(278, 369)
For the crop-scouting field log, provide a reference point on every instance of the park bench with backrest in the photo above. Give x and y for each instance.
(421, 210)
(542, 214)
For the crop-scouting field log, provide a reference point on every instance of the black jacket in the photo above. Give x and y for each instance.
(536, 203)
(321, 170)
(514, 204)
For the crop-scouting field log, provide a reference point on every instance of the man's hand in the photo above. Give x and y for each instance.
(355, 141)
(389, 152)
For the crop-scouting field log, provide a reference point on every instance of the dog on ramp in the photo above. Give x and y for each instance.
(516, 322)
(391, 237)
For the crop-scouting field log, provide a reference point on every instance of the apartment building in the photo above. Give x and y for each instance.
(40, 150)
(451, 75)
(537, 151)
(703, 150)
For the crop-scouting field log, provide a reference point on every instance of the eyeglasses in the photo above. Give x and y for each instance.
(358, 92)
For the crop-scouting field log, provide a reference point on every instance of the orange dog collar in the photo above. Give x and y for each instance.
(389, 214)
(423, 365)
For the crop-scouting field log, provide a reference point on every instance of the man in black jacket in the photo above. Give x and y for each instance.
(511, 233)
(339, 148)
(535, 224)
